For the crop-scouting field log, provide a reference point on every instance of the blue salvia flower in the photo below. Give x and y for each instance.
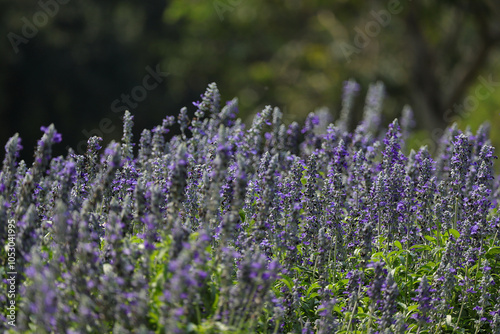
(350, 91)
(353, 290)
(358, 181)
(444, 209)
(391, 187)
(374, 290)
(253, 140)
(145, 148)
(229, 112)
(41, 161)
(312, 202)
(407, 123)
(41, 303)
(311, 140)
(424, 300)
(177, 174)
(255, 277)
(392, 152)
(127, 144)
(445, 151)
(330, 140)
(495, 323)
(7, 175)
(210, 101)
(445, 283)
(265, 198)
(276, 141)
(191, 202)
(389, 304)
(334, 191)
(210, 104)
(485, 295)
(50, 137)
(424, 189)
(373, 110)
(183, 120)
(327, 323)
(91, 160)
(485, 171)
(366, 235)
(460, 162)
(158, 141)
(482, 136)
(292, 139)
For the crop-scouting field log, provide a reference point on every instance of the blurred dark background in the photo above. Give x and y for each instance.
(73, 62)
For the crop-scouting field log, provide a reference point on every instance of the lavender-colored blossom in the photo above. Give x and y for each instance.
(424, 300)
(223, 228)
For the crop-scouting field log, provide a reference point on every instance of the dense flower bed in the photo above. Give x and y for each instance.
(273, 229)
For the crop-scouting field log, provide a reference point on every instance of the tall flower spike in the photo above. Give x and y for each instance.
(229, 112)
(350, 91)
(183, 121)
(7, 175)
(253, 141)
(374, 291)
(292, 138)
(424, 300)
(460, 161)
(389, 303)
(485, 296)
(127, 144)
(407, 123)
(144, 146)
(44, 149)
(392, 151)
(372, 115)
(210, 101)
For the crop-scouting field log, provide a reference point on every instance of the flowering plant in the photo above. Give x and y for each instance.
(271, 229)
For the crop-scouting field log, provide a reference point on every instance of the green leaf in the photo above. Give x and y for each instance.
(412, 308)
(287, 280)
(398, 245)
(242, 215)
(313, 295)
(492, 252)
(455, 233)
(428, 237)
(314, 286)
(338, 309)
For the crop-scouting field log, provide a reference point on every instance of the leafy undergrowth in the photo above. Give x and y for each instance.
(273, 229)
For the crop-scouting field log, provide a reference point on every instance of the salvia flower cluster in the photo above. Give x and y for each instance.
(273, 228)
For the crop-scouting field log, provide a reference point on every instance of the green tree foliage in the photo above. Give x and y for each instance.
(294, 54)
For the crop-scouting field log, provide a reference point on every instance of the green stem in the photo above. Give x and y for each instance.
(438, 226)
(371, 318)
(463, 303)
(335, 261)
(314, 268)
(456, 214)
(249, 300)
(379, 232)
(353, 309)
(406, 278)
